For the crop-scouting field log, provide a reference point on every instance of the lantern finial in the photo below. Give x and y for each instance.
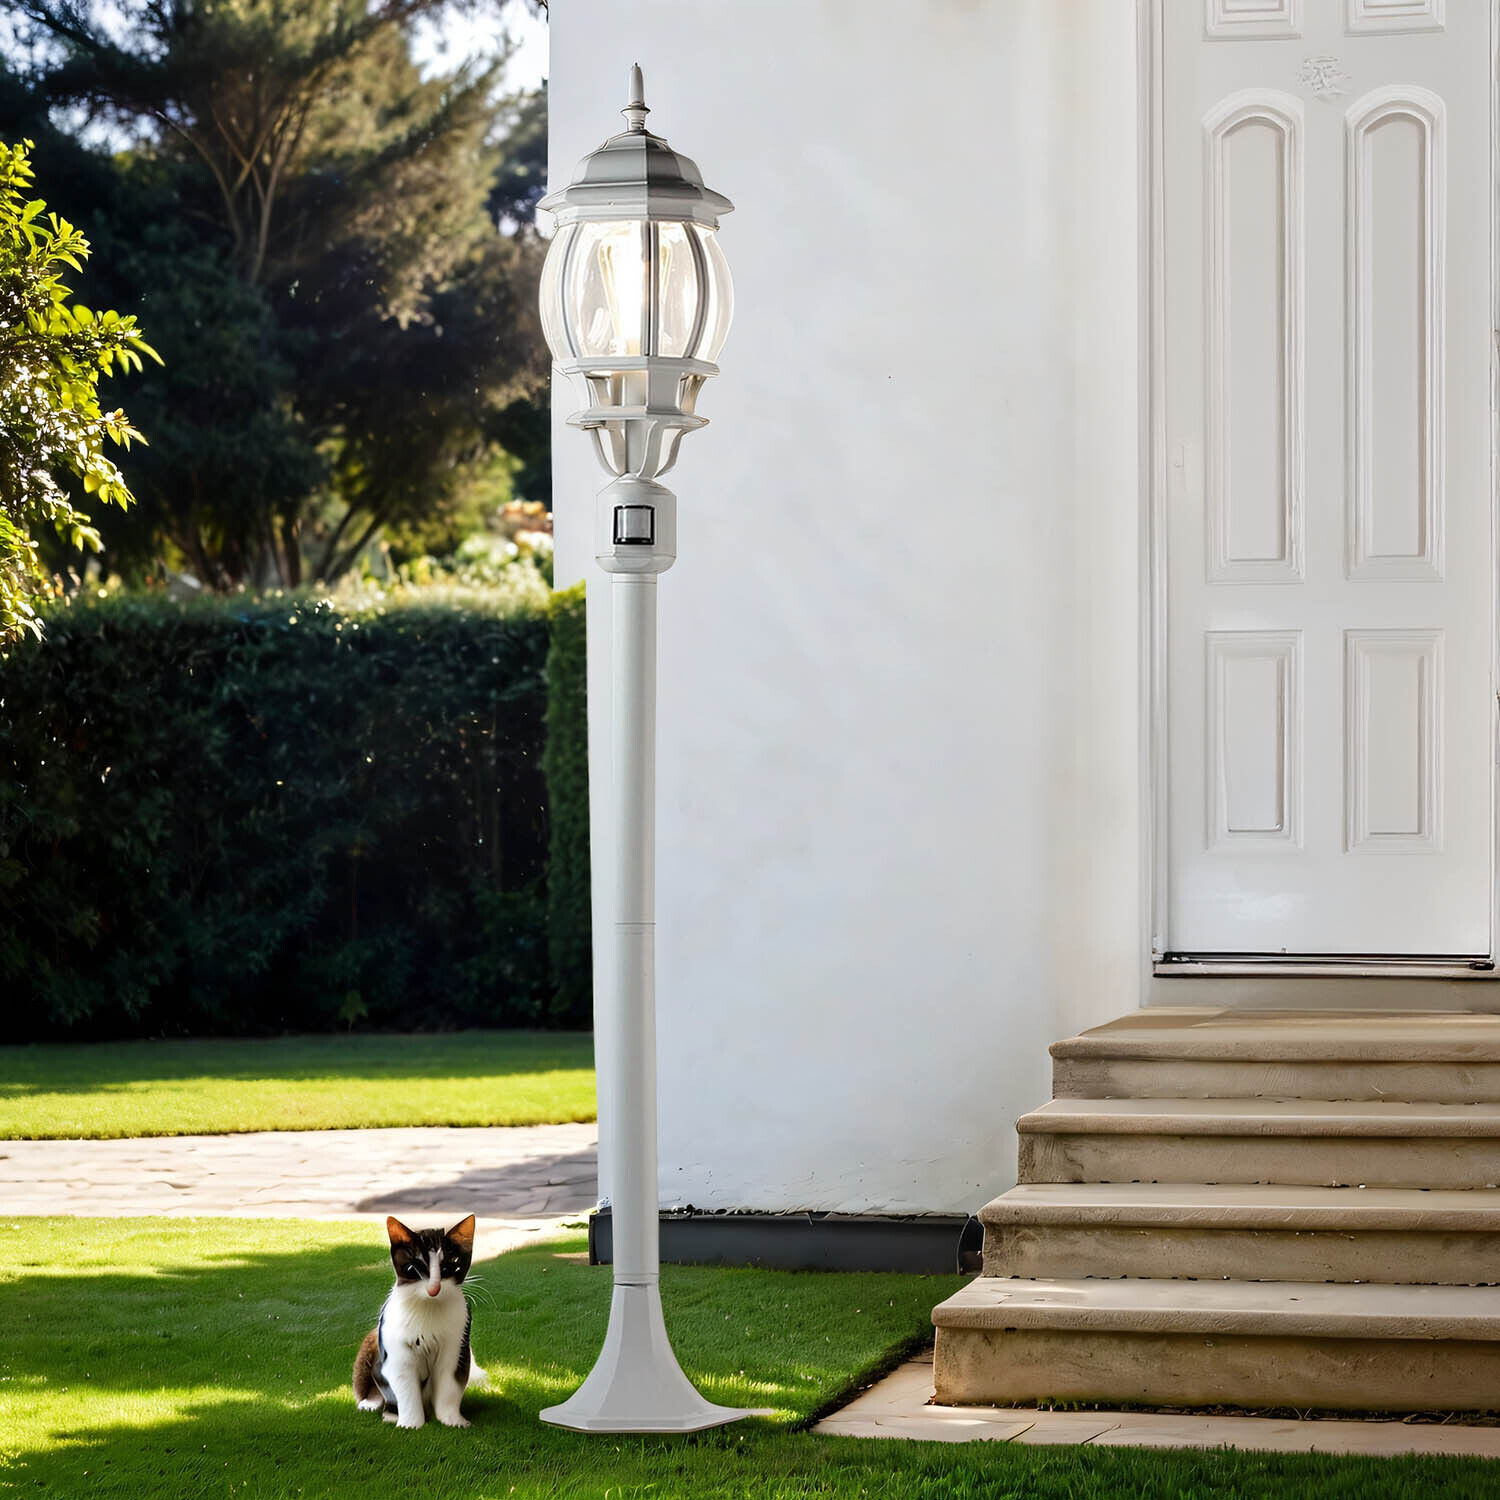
(635, 112)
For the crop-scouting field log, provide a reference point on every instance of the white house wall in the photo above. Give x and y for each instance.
(899, 822)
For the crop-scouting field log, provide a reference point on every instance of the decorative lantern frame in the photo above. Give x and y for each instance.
(636, 302)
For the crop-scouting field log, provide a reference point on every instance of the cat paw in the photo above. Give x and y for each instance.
(390, 1416)
(411, 1422)
(371, 1403)
(455, 1421)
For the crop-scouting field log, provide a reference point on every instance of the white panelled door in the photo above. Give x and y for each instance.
(1327, 204)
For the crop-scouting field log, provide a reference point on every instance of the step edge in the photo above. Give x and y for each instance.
(960, 1312)
(1353, 1327)
(1354, 1220)
(1229, 1050)
(1075, 1120)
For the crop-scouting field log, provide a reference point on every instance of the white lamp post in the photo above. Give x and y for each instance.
(636, 301)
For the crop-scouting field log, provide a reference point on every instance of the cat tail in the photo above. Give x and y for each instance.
(367, 1391)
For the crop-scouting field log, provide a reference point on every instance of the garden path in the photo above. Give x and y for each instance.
(519, 1180)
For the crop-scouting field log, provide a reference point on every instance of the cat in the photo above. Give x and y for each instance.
(418, 1353)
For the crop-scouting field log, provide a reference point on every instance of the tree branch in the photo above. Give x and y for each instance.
(347, 560)
(327, 559)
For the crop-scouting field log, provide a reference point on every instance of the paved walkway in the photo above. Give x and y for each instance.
(518, 1180)
(898, 1408)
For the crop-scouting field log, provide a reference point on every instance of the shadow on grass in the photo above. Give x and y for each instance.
(180, 1349)
(226, 1371)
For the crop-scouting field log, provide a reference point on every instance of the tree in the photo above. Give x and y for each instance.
(522, 179)
(370, 321)
(52, 356)
(231, 462)
(413, 320)
(239, 82)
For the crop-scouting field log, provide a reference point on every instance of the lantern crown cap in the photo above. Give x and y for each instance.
(635, 110)
(636, 175)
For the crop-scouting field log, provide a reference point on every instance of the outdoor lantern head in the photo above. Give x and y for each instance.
(636, 297)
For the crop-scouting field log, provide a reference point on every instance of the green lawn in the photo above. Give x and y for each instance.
(295, 1083)
(170, 1359)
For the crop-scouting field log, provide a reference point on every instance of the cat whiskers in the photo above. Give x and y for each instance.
(481, 1292)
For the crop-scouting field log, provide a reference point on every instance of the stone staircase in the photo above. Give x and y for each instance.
(1248, 1208)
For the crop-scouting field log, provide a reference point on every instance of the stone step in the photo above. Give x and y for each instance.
(1262, 1343)
(1193, 1078)
(1264, 1233)
(1316, 1142)
(1211, 1053)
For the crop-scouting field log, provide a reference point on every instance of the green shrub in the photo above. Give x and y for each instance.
(234, 816)
(566, 765)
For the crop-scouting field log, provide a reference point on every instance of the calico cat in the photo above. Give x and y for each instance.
(418, 1353)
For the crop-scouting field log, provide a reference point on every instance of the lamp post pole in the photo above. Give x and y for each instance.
(635, 303)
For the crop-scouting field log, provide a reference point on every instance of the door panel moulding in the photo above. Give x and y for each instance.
(1272, 114)
(1424, 112)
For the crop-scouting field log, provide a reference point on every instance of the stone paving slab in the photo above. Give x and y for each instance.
(898, 1407)
(519, 1180)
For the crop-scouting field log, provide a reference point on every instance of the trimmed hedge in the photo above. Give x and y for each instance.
(566, 763)
(231, 817)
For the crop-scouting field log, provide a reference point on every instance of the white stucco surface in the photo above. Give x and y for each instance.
(899, 757)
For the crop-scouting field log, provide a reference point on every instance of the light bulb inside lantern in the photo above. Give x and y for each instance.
(605, 288)
(614, 325)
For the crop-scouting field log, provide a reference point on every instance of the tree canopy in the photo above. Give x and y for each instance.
(52, 355)
(313, 229)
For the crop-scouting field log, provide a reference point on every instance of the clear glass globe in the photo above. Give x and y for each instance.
(600, 299)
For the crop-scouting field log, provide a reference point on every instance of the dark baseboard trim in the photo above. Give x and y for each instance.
(922, 1243)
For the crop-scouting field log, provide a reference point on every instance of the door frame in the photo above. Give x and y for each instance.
(1152, 448)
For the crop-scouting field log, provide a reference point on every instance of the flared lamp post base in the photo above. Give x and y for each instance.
(636, 1384)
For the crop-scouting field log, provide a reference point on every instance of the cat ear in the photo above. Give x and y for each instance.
(399, 1233)
(462, 1235)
